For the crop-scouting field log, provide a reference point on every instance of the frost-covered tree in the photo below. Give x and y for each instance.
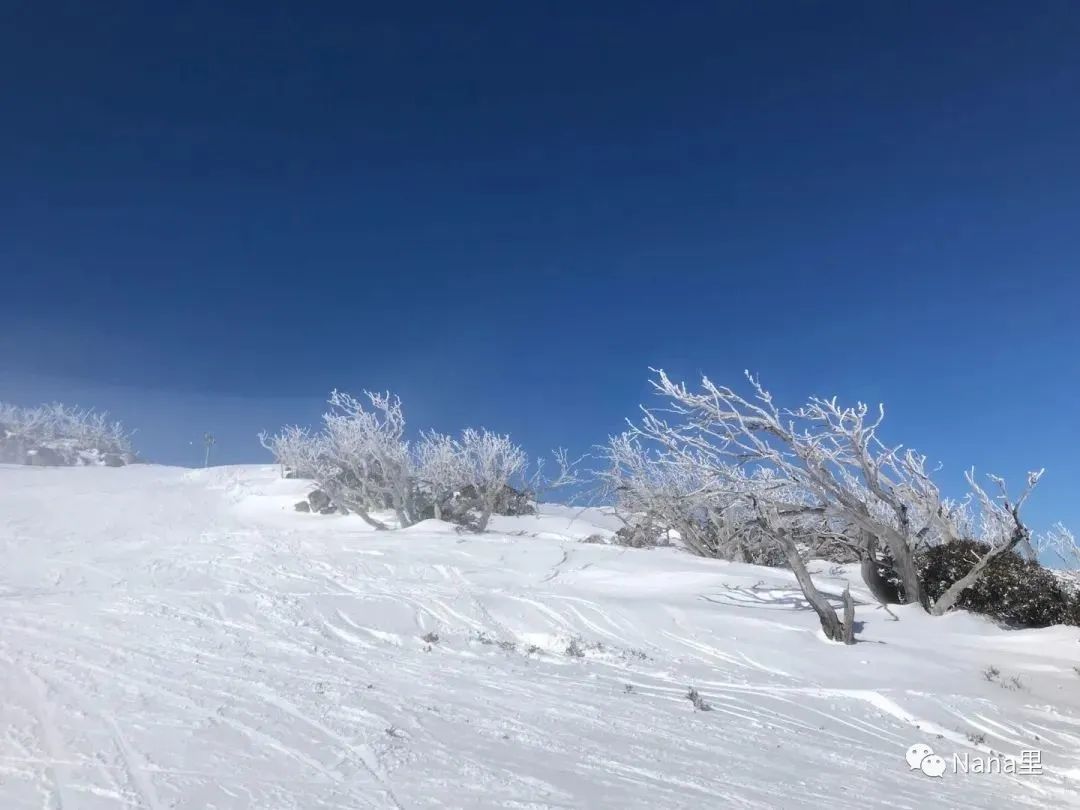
(824, 465)
(71, 435)
(363, 461)
(367, 443)
(440, 469)
(485, 473)
(541, 481)
(292, 448)
(488, 463)
(652, 494)
(716, 508)
(360, 458)
(1059, 545)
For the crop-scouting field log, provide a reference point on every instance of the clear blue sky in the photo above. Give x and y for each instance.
(215, 212)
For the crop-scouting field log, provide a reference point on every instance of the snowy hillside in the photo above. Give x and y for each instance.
(174, 638)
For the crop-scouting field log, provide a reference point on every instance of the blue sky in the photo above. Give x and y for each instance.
(508, 212)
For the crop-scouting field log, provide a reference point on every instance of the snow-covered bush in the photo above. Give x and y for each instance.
(657, 494)
(1072, 612)
(360, 458)
(489, 462)
(439, 471)
(1014, 590)
(293, 449)
(61, 435)
(468, 479)
(365, 447)
(363, 462)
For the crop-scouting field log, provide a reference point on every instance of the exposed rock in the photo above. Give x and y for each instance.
(303, 506)
(12, 450)
(638, 535)
(46, 457)
(510, 501)
(319, 501)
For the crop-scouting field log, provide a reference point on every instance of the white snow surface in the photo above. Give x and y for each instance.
(183, 639)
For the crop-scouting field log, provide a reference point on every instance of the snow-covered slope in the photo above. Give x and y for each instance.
(184, 639)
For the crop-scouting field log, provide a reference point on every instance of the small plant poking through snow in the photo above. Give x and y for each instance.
(976, 739)
(578, 647)
(991, 673)
(430, 637)
(694, 696)
(1013, 684)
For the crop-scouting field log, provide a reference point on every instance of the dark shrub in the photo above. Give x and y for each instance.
(1018, 592)
(1072, 612)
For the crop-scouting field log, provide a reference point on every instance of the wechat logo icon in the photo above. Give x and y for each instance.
(921, 757)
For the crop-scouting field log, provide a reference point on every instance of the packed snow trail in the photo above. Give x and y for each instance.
(179, 639)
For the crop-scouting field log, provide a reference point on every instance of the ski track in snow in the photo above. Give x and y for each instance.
(179, 639)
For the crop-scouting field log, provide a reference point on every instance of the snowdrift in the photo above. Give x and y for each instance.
(175, 638)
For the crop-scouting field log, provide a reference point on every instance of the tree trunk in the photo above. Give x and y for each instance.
(903, 556)
(849, 617)
(830, 623)
(337, 497)
(368, 519)
(485, 517)
(952, 593)
(438, 509)
(904, 559)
